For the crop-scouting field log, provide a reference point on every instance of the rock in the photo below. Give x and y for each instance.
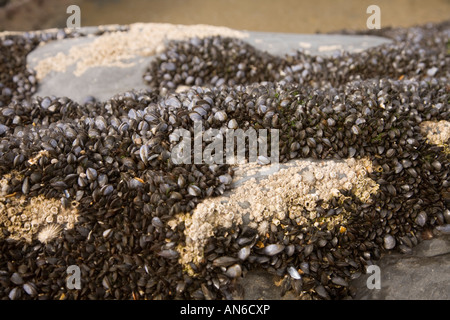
(422, 275)
(314, 44)
(91, 82)
(260, 285)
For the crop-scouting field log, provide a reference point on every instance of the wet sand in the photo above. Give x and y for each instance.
(296, 16)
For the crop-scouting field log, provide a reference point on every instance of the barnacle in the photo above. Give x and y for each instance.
(293, 191)
(49, 232)
(24, 217)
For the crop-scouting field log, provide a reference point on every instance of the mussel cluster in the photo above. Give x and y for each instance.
(112, 161)
(213, 61)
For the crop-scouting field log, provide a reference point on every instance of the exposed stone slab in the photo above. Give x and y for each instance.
(422, 275)
(101, 82)
(315, 44)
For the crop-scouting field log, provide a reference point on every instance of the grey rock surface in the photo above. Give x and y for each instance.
(100, 82)
(315, 44)
(422, 275)
(261, 285)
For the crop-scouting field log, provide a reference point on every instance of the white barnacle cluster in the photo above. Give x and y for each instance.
(437, 132)
(27, 218)
(208, 216)
(116, 48)
(49, 232)
(307, 182)
(291, 192)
